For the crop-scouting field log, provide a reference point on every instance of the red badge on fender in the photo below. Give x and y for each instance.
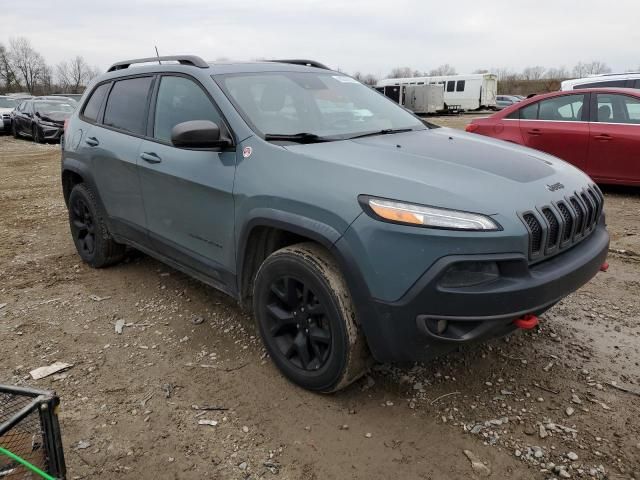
(247, 151)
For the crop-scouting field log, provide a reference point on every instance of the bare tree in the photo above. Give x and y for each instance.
(557, 73)
(28, 63)
(445, 69)
(533, 73)
(7, 72)
(480, 70)
(594, 68)
(401, 72)
(75, 74)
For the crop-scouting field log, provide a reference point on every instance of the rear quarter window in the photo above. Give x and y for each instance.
(127, 105)
(92, 107)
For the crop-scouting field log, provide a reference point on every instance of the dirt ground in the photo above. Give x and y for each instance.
(537, 405)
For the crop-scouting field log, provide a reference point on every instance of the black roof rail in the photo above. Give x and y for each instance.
(306, 63)
(192, 60)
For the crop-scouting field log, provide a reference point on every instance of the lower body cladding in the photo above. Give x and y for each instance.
(465, 299)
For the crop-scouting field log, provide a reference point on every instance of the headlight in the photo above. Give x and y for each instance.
(432, 217)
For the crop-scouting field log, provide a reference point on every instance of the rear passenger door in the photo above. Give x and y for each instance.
(614, 149)
(112, 144)
(188, 193)
(558, 126)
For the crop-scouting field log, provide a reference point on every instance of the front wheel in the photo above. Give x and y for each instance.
(36, 134)
(14, 130)
(307, 320)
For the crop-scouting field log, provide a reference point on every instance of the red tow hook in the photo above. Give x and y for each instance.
(527, 322)
(604, 267)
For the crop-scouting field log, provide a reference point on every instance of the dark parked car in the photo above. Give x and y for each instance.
(41, 119)
(596, 129)
(349, 236)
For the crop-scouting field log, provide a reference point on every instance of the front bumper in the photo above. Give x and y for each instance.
(406, 330)
(5, 123)
(51, 132)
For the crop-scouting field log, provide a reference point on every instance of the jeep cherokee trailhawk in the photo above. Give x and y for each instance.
(353, 230)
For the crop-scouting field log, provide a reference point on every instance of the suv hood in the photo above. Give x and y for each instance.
(448, 168)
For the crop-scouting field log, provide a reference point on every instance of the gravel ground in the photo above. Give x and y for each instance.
(542, 404)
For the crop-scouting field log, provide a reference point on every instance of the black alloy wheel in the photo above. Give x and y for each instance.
(297, 323)
(307, 319)
(83, 226)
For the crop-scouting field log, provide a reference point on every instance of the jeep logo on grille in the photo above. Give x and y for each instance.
(555, 186)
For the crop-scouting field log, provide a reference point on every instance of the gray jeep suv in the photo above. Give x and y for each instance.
(353, 230)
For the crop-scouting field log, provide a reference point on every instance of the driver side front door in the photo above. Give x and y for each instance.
(188, 193)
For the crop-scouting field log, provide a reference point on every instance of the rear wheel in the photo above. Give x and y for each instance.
(89, 231)
(307, 319)
(14, 130)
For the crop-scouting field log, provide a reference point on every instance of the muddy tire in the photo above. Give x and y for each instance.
(307, 320)
(89, 231)
(14, 130)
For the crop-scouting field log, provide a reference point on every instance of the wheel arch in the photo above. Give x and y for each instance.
(269, 230)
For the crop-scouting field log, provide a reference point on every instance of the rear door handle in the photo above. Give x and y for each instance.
(92, 141)
(603, 137)
(150, 157)
(534, 132)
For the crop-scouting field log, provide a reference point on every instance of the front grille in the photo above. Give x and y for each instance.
(553, 228)
(535, 232)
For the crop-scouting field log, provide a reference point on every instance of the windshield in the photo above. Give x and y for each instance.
(7, 102)
(322, 104)
(48, 107)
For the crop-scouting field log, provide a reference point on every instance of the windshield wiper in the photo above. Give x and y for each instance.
(385, 131)
(303, 137)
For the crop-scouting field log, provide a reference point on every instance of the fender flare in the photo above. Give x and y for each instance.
(324, 234)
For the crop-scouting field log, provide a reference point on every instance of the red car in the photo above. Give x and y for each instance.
(597, 130)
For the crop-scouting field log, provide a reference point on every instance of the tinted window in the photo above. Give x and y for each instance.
(127, 105)
(460, 86)
(608, 83)
(638, 83)
(514, 115)
(181, 100)
(617, 109)
(530, 112)
(92, 107)
(451, 85)
(564, 109)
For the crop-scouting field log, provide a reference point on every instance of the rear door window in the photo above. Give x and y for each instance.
(181, 100)
(530, 112)
(127, 105)
(451, 86)
(460, 86)
(92, 107)
(567, 108)
(615, 108)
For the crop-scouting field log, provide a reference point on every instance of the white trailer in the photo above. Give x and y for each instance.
(461, 92)
(423, 99)
(420, 99)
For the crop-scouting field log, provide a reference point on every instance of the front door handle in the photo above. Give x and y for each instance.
(92, 141)
(603, 137)
(150, 157)
(534, 132)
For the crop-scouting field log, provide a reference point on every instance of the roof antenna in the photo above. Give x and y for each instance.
(158, 55)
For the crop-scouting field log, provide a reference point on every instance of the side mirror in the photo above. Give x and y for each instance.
(198, 134)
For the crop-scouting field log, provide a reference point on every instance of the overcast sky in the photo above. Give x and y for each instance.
(354, 35)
